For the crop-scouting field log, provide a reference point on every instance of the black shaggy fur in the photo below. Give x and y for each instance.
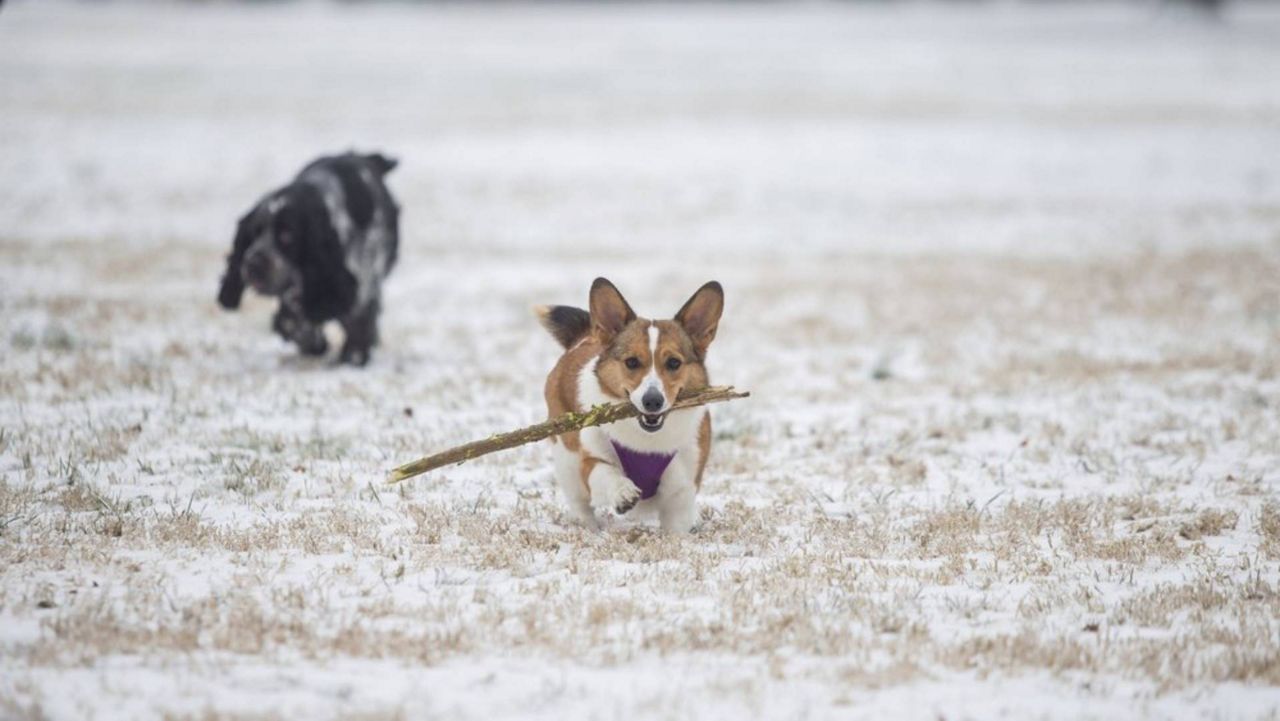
(323, 244)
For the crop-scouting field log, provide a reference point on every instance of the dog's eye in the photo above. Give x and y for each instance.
(632, 362)
(285, 239)
(673, 364)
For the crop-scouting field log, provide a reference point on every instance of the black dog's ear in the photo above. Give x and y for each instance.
(328, 287)
(382, 163)
(232, 283)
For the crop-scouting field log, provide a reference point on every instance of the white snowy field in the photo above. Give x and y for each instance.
(1004, 282)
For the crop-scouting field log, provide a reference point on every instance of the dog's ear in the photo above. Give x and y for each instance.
(609, 311)
(232, 283)
(382, 163)
(328, 287)
(700, 316)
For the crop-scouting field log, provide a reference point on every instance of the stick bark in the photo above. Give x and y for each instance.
(565, 423)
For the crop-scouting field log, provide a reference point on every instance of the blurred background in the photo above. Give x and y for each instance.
(747, 128)
(1002, 277)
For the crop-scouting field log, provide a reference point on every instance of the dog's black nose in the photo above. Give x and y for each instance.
(652, 400)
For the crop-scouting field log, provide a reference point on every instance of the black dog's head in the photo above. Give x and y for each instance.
(287, 241)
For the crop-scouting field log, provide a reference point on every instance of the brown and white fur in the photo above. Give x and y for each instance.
(612, 355)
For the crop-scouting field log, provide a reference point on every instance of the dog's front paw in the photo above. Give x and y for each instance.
(354, 356)
(312, 343)
(613, 491)
(627, 499)
(307, 336)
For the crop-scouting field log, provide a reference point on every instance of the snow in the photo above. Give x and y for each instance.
(1002, 280)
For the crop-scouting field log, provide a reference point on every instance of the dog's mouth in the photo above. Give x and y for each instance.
(652, 423)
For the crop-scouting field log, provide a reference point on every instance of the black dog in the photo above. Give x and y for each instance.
(323, 244)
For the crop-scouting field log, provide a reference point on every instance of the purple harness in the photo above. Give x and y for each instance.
(644, 469)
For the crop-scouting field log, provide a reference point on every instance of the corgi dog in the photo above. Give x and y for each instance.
(655, 460)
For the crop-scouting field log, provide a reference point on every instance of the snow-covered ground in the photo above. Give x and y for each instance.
(1003, 280)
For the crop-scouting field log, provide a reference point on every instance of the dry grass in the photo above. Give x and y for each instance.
(899, 545)
(1038, 508)
(1269, 529)
(548, 589)
(1012, 342)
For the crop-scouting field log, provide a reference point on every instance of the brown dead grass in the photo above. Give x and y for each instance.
(565, 591)
(1210, 522)
(852, 539)
(1269, 529)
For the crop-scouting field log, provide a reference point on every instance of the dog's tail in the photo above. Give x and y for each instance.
(566, 323)
(382, 163)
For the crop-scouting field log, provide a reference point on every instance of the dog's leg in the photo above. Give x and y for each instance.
(610, 490)
(291, 326)
(569, 478)
(678, 498)
(361, 328)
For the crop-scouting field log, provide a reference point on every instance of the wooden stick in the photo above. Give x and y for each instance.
(571, 421)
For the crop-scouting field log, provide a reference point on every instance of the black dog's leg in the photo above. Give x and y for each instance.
(292, 326)
(361, 328)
